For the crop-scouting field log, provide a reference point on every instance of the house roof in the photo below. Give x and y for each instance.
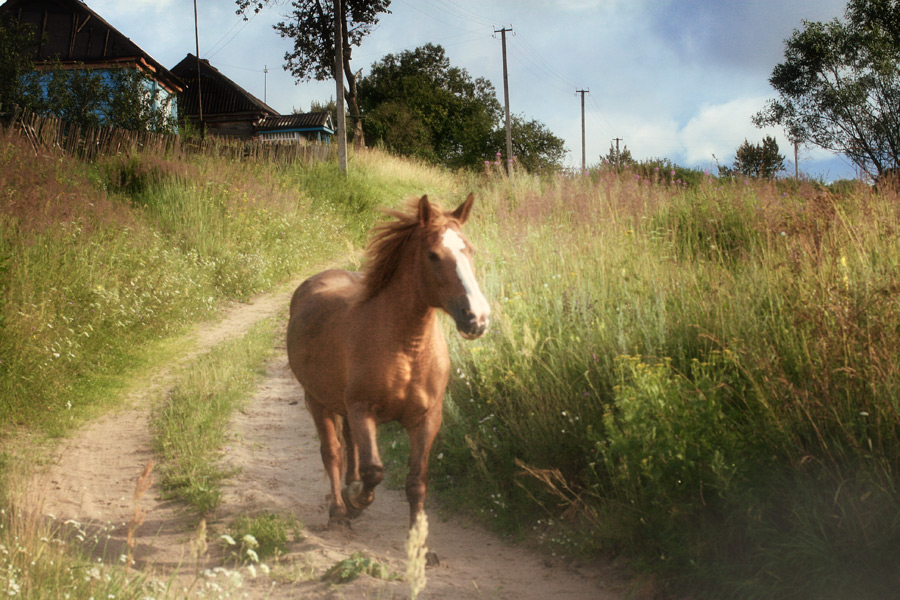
(220, 94)
(77, 34)
(301, 122)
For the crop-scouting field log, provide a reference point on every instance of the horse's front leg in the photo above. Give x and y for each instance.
(421, 438)
(361, 422)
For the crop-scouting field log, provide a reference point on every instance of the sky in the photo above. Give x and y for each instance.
(674, 79)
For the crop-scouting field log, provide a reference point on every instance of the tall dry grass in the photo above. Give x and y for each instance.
(703, 377)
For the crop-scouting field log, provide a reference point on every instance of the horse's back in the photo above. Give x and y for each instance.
(332, 285)
(316, 330)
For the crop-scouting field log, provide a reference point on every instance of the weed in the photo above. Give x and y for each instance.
(416, 551)
(269, 532)
(357, 564)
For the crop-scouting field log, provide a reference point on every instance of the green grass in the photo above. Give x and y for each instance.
(266, 534)
(191, 426)
(42, 557)
(703, 378)
(99, 260)
(104, 264)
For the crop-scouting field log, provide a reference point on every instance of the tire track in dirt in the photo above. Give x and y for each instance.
(276, 452)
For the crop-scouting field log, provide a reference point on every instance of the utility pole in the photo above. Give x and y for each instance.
(502, 31)
(617, 140)
(339, 81)
(265, 81)
(582, 92)
(796, 160)
(197, 44)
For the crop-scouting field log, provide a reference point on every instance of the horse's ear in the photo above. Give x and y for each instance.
(462, 211)
(424, 211)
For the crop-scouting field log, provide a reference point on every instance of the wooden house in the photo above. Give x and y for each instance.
(76, 37)
(299, 128)
(230, 110)
(227, 108)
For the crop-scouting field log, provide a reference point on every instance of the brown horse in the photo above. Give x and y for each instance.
(368, 347)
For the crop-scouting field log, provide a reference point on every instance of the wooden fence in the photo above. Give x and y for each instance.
(51, 133)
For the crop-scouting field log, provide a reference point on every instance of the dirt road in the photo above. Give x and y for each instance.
(275, 449)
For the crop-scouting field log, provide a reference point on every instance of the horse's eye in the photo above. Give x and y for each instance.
(433, 256)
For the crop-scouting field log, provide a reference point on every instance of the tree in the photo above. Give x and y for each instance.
(535, 147)
(417, 104)
(137, 103)
(758, 160)
(618, 158)
(124, 98)
(311, 26)
(19, 43)
(839, 86)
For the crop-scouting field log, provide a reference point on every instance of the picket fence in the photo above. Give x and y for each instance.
(54, 134)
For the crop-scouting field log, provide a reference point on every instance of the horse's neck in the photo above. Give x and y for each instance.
(406, 311)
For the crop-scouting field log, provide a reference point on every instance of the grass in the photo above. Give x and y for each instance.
(191, 426)
(702, 378)
(43, 557)
(100, 260)
(102, 266)
(266, 534)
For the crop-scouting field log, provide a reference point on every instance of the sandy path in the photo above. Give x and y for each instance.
(93, 476)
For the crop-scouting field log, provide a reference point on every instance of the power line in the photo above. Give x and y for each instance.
(210, 53)
(460, 12)
(541, 63)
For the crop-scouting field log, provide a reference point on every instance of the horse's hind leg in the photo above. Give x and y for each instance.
(351, 476)
(330, 448)
(351, 454)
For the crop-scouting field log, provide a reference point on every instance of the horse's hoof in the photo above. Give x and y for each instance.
(352, 495)
(431, 559)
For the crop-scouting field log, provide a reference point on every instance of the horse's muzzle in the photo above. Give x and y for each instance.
(470, 325)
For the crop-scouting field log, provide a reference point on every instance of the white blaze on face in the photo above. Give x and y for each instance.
(478, 304)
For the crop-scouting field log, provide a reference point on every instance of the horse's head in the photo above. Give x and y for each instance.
(447, 270)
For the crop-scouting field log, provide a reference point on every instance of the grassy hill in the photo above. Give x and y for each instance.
(701, 378)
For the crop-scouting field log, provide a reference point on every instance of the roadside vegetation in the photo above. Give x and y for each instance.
(190, 427)
(699, 375)
(102, 266)
(701, 378)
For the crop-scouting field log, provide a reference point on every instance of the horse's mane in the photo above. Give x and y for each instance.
(388, 240)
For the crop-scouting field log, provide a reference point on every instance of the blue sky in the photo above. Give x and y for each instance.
(676, 79)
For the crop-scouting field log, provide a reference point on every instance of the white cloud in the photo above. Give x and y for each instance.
(719, 129)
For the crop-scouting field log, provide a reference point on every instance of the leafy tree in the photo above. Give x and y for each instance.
(417, 104)
(758, 160)
(136, 102)
(839, 85)
(19, 43)
(124, 98)
(619, 159)
(311, 26)
(535, 147)
(74, 95)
